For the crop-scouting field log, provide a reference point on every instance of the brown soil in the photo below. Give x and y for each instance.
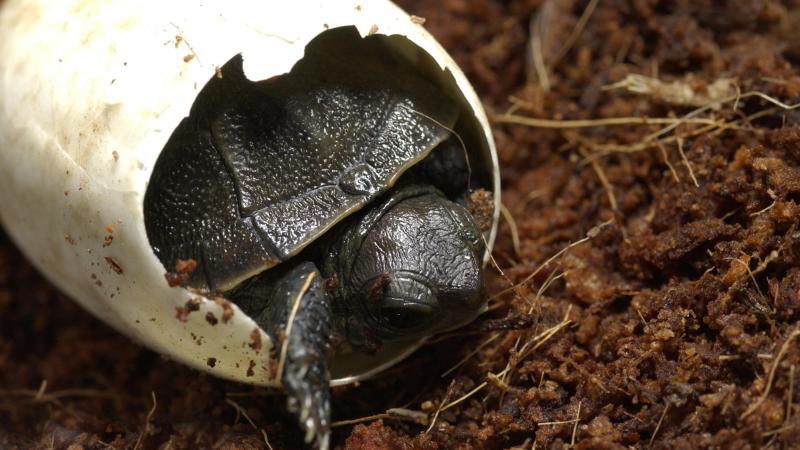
(652, 298)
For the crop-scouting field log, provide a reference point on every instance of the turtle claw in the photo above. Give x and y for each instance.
(315, 422)
(307, 387)
(323, 440)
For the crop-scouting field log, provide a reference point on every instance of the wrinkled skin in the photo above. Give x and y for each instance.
(408, 267)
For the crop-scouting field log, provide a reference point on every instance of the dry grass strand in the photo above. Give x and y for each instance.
(598, 170)
(771, 377)
(538, 27)
(658, 425)
(290, 322)
(592, 123)
(391, 413)
(241, 411)
(147, 420)
(576, 32)
(512, 226)
(589, 235)
(440, 409)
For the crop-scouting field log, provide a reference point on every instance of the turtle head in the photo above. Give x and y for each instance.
(416, 269)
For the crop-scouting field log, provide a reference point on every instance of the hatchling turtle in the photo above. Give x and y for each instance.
(328, 203)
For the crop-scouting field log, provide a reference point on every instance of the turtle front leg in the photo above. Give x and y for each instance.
(299, 319)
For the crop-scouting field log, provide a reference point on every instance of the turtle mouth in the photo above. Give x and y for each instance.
(401, 302)
(407, 315)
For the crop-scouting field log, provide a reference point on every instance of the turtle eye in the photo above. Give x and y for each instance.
(403, 317)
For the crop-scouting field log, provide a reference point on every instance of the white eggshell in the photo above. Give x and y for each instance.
(90, 91)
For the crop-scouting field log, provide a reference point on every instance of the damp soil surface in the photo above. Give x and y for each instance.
(646, 291)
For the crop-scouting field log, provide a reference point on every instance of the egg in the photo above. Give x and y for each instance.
(90, 92)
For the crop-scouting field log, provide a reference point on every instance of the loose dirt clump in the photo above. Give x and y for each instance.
(645, 291)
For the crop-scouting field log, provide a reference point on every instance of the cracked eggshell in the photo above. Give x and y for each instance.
(89, 94)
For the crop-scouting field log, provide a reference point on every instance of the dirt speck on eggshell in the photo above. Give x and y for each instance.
(250, 368)
(115, 266)
(255, 339)
(227, 309)
(183, 270)
(182, 312)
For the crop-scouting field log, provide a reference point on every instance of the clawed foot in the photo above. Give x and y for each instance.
(300, 319)
(308, 397)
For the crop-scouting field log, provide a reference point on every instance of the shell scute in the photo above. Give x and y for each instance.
(260, 169)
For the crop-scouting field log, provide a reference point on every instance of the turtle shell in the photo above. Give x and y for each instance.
(260, 169)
